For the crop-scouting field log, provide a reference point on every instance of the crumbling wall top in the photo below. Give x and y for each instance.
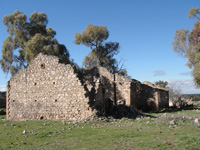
(153, 85)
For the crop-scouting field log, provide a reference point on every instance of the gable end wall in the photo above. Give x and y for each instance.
(46, 89)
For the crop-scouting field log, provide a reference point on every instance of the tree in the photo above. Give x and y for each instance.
(187, 44)
(28, 38)
(175, 96)
(102, 53)
(162, 84)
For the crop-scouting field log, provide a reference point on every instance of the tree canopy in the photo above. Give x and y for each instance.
(102, 53)
(187, 44)
(162, 84)
(28, 38)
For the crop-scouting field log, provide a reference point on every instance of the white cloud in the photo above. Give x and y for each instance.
(185, 73)
(2, 88)
(159, 73)
(186, 86)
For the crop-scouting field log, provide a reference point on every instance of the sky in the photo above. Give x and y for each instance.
(144, 29)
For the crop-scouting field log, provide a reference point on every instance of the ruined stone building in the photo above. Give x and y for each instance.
(47, 89)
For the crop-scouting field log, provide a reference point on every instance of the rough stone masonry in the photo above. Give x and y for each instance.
(47, 89)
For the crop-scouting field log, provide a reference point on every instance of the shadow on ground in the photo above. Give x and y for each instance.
(175, 109)
(123, 111)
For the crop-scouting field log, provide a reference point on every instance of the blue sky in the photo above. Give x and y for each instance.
(144, 29)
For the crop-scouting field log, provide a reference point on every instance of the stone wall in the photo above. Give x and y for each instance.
(148, 97)
(163, 99)
(106, 88)
(46, 89)
(113, 87)
(123, 86)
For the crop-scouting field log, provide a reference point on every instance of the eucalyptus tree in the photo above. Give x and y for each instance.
(187, 44)
(27, 38)
(102, 53)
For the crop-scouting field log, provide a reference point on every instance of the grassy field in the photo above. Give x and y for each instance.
(169, 130)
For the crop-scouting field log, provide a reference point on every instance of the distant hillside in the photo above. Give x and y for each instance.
(2, 99)
(194, 97)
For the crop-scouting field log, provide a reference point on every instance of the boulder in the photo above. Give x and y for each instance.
(197, 120)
